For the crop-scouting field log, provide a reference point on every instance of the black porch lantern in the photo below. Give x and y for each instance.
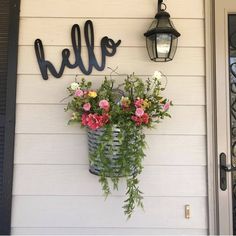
(162, 37)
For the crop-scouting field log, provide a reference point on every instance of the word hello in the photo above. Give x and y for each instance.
(108, 48)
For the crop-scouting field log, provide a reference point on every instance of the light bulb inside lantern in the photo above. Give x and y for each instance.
(163, 44)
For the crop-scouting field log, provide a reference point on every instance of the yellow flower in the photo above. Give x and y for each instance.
(125, 102)
(92, 94)
(146, 104)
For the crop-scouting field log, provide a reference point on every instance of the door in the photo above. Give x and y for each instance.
(225, 47)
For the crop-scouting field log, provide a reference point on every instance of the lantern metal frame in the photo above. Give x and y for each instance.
(163, 25)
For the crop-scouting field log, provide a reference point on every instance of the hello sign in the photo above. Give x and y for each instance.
(108, 49)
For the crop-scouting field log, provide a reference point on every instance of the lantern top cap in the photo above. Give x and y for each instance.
(162, 14)
(162, 30)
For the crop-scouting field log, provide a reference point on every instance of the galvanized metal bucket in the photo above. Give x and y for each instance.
(94, 139)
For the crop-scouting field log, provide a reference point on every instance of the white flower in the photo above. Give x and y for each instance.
(157, 74)
(74, 86)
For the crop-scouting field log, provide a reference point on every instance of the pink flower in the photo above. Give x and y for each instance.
(95, 121)
(145, 118)
(138, 103)
(139, 112)
(104, 119)
(86, 93)
(79, 93)
(87, 106)
(140, 120)
(104, 104)
(166, 106)
(84, 119)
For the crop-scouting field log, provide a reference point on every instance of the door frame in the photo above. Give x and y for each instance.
(210, 72)
(214, 195)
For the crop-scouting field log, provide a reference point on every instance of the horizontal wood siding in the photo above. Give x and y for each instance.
(110, 9)
(108, 231)
(115, 28)
(189, 150)
(76, 180)
(53, 191)
(129, 60)
(90, 211)
(53, 92)
(53, 119)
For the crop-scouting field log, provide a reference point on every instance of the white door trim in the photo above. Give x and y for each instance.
(211, 118)
(220, 215)
(222, 9)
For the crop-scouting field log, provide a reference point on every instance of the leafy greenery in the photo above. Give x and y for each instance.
(128, 108)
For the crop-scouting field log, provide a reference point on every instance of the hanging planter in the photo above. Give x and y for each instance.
(110, 152)
(107, 159)
(115, 118)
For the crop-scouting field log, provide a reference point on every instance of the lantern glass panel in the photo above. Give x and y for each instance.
(153, 25)
(173, 46)
(151, 46)
(163, 45)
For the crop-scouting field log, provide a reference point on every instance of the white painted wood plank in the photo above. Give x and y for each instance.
(181, 90)
(106, 231)
(77, 180)
(108, 8)
(90, 214)
(64, 211)
(72, 149)
(56, 31)
(188, 61)
(53, 119)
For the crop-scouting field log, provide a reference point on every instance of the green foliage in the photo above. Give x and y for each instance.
(128, 165)
(130, 107)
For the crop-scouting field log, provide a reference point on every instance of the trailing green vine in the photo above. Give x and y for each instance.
(115, 118)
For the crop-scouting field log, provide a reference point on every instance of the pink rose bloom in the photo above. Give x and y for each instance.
(105, 119)
(104, 104)
(138, 103)
(145, 118)
(166, 106)
(84, 119)
(79, 93)
(139, 112)
(87, 106)
(138, 120)
(95, 121)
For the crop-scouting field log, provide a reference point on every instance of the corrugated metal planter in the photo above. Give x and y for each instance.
(110, 153)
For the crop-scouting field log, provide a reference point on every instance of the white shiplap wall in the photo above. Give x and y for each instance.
(53, 192)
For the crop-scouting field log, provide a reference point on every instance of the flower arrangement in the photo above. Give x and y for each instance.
(129, 108)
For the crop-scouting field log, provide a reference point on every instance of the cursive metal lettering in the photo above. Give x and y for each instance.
(108, 48)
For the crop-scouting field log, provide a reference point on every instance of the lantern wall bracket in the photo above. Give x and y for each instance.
(160, 4)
